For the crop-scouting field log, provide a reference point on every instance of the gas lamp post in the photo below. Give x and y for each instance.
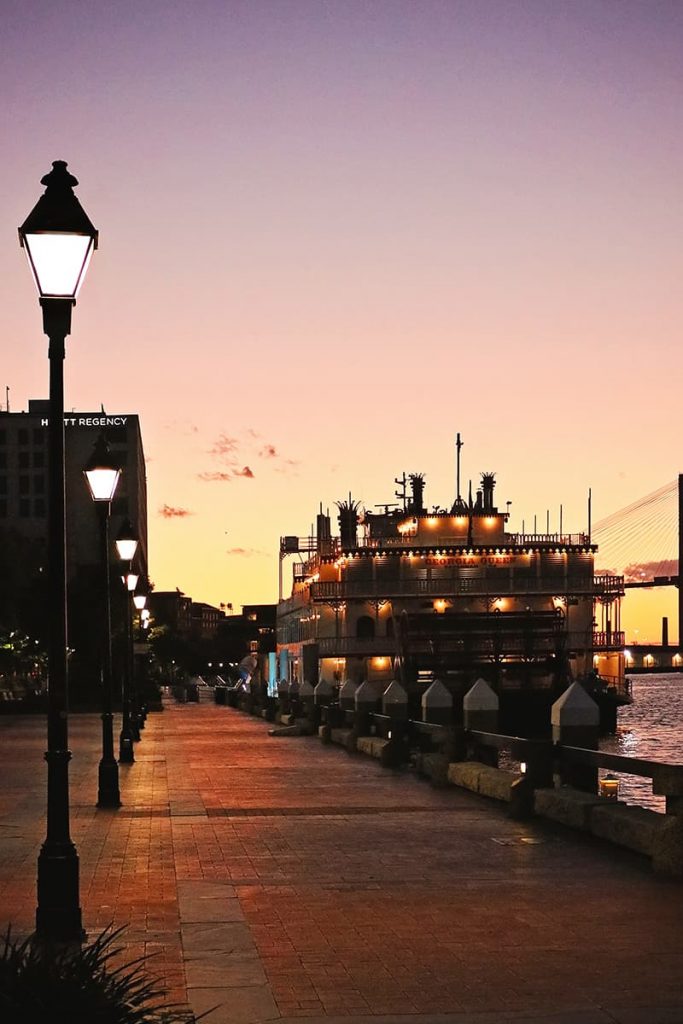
(102, 476)
(59, 240)
(139, 600)
(127, 545)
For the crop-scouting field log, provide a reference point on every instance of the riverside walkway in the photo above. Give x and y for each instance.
(280, 879)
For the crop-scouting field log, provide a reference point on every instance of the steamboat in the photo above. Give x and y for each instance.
(416, 594)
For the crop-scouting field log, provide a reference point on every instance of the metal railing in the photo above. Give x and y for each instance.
(333, 546)
(557, 539)
(472, 644)
(608, 584)
(485, 586)
(607, 640)
(487, 643)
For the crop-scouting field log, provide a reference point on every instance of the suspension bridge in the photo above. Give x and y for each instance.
(643, 542)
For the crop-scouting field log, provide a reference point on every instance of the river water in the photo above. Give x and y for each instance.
(652, 728)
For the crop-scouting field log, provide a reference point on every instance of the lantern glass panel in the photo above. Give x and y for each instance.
(59, 262)
(102, 482)
(126, 548)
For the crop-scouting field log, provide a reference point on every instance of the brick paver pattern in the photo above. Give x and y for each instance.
(364, 890)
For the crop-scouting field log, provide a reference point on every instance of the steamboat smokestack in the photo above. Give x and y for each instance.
(417, 487)
(488, 483)
(323, 531)
(348, 522)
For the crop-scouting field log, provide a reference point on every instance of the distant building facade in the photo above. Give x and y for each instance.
(23, 479)
(206, 620)
(251, 632)
(173, 609)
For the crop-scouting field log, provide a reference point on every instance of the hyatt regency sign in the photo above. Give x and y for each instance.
(90, 421)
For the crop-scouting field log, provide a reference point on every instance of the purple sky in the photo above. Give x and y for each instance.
(347, 230)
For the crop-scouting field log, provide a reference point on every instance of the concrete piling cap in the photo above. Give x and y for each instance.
(365, 694)
(480, 698)
(306, 689)
(348, 690)
(394, 694)
(437, 696)
(575, 707)
(324, 688)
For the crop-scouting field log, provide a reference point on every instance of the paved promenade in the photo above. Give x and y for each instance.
(280, 880)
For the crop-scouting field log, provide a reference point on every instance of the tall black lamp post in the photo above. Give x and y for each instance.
(139, 600)
(59, 240)
(127, 545)
(102, 476)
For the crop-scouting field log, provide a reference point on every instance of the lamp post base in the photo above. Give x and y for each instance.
(58, 914)
(108, 794)
(126, 755)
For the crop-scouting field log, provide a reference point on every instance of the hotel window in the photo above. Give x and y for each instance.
(3, 508)
(3, 460)
(24, 460)
(38, 460)
(23, 436)
(3, 437)
(39, 485)
(39, 508)
(24, 484)
(24, 508)
(3, 485)
(38, 436)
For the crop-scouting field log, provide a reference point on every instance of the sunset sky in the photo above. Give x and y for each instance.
(332, 234)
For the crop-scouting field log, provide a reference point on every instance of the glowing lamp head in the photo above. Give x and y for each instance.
(127, 542)
(140, 600)
(58, 237)
(130, 581)
(102, 472)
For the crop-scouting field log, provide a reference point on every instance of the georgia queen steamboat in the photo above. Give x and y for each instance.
(416, 595)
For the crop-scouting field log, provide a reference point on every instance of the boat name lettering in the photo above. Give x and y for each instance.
(470, 560)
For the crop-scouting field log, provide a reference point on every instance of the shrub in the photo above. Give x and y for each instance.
(44, 984)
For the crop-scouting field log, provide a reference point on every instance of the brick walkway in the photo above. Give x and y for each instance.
(284, 880)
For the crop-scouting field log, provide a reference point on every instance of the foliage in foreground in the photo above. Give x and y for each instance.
(47, 985)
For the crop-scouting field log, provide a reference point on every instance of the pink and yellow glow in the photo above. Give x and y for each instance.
(332, 235)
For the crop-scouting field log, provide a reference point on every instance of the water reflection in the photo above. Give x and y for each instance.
(652, 728)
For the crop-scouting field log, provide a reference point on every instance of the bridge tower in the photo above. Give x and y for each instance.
(680, 559)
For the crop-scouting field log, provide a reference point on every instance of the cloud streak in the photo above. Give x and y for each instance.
(638, 572)
(225, 448)
(246, 552)
(174, 512)
(231, 453)
(225, 475)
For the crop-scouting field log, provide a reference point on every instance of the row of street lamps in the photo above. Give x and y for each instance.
(102, 474)
(59, 239)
